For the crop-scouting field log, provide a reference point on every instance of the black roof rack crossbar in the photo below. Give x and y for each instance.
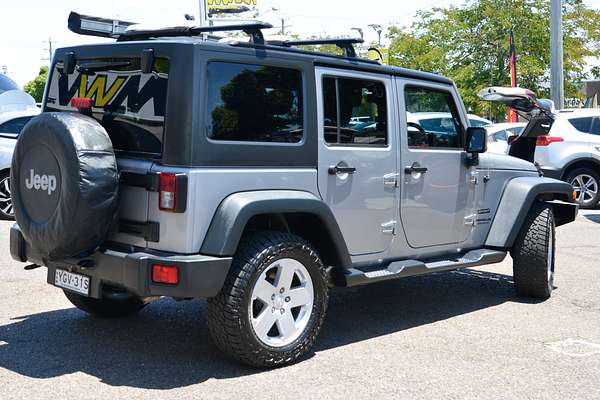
(346, 44)
(274, 45)
(252, 30)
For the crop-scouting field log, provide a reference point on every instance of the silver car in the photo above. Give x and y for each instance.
(11, 124)
(571, 152)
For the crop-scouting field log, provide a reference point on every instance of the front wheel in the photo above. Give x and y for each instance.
(533, 254)
(273, 303)
(115, 303)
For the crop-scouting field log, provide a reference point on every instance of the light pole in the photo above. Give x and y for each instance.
(377, 28)
(557, 86)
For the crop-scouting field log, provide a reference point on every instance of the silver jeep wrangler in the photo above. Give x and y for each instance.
(259, 175)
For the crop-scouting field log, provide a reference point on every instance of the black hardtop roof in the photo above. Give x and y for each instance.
(263, 52)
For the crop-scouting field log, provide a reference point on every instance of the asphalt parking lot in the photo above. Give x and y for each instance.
(452, 335)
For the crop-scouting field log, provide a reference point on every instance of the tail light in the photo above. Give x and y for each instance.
(546, 140)
(167, 196)
(165, 274)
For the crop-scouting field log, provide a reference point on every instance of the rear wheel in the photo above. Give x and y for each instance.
(6, 205)
(114, 303)
(273, 303)
(586, 184)
(533, 254)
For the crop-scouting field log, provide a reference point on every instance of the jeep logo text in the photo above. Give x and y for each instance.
(41, 182)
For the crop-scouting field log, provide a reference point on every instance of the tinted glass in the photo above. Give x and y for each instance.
(14, 126)
(7, 84)
(444, 130)
(477, 123)
(355, 112)
(254, 103)
(587, 124)
(501, 136)
(582, 124)
(129, 104)
(516, 130)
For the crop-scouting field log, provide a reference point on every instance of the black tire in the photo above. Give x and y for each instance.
(533, 254)
(590, 200)
(229, 314)
(6, 207)
(114, 303)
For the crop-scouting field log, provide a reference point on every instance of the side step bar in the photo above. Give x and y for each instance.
(405, 268)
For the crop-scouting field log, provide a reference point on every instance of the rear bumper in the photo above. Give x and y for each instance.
(199, 275)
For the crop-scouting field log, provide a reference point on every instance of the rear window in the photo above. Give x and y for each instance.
(254, 103)
(128, 103)
(586, 124)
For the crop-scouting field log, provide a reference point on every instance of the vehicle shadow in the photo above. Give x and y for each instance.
(167, 345)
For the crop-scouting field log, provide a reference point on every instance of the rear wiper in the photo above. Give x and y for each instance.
(95, 66)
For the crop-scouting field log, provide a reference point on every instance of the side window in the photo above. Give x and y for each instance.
(432, 118)
(477, 123)
(582, 124)
(355, 112)
(14, 126)
(587, 124)
(501, 136)
(254, 103)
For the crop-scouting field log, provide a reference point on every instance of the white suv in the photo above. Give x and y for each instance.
(571, 152)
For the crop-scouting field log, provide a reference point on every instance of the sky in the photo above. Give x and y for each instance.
(27, 25)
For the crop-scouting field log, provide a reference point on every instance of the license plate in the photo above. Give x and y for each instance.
(74, 282)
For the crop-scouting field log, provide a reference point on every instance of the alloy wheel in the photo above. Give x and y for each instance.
(585, 187)
(6, 205)
(281, 303)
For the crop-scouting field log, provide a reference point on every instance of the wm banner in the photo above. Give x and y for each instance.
(220, 4)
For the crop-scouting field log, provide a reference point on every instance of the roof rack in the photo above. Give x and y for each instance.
(346, 44)
(110, 28)
(252, 30)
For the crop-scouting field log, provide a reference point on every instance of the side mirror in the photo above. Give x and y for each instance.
(476, 140)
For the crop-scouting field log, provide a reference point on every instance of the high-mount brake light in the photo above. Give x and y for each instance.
(168, 274)
(546, 140)
(81, 102)
(167, 196)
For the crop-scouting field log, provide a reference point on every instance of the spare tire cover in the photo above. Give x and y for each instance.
(64, 182)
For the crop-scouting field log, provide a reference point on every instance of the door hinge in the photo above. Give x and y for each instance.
(470, 220)
(389, 228)
(474, 177)
(390, 180)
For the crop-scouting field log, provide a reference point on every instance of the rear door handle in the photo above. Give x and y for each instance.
(415, 169)
(339, 169)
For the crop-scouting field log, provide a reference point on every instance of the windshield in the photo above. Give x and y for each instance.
(7, 84)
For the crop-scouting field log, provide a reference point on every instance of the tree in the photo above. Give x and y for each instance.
(470, 45)
(36, 87)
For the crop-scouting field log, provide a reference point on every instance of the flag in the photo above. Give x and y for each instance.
(512, 115)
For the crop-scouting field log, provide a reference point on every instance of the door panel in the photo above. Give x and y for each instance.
(437, 193)
(357, 136)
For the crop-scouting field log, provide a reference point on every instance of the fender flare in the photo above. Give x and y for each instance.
(234, 212)
(589, 160)
(517, 199)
